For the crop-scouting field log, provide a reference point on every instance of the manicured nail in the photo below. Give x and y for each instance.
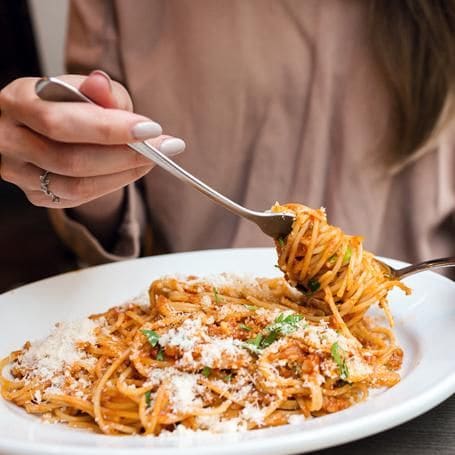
(172, 146)
(105, 75)
(146, 130)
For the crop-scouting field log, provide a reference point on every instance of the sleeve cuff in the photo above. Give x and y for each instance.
(88, 249)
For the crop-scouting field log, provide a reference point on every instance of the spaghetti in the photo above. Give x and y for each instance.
(332, 268)
(219, 354)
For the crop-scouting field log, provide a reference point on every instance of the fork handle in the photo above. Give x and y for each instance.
(173, 168)
(53, 89)
(427, 265)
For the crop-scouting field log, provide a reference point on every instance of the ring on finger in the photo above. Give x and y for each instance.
(44, 185)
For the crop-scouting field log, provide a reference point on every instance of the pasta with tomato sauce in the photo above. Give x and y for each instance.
(221, 353)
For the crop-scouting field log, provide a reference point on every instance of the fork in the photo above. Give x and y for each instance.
(399, 274)
(274, 225)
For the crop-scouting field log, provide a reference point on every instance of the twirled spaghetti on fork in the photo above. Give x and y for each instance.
(332, 267)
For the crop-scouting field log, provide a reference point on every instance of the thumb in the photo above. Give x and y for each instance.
(98, 87)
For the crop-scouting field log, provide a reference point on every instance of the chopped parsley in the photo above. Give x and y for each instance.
(152, 337)
(253, 344)
(228, 377)
(148, 398)
(206, 371)
(283, 325)
(269, 339)
(335, 351)
(215, 293)
(256, 341)
(347, 255)
(245, 327)
(160, 355)
(313, 284)
(281, 241)
(332, 259)
(251, 307)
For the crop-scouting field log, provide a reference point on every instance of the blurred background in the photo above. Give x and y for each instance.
(33, 40)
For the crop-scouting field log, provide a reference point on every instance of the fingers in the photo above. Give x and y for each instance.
(80, 144)
(74, 160)
(71, 191)
(39, 199)
(73, 122)
(98, 87)
(77, 160)
(95, 87)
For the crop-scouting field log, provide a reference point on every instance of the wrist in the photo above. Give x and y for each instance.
(102, 216)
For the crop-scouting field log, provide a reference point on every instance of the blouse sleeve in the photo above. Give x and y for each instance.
(92, 39)
(88, 249)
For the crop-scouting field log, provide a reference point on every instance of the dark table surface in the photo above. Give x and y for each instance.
(431, 433)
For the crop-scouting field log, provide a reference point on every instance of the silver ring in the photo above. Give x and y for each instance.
(44, 185)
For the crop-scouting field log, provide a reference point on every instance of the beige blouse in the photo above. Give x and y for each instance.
(277, 100)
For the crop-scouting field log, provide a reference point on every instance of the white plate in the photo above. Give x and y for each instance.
(425, 326)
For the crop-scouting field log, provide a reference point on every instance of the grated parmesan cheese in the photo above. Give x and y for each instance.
(206, 301)
(183, 388)
(224, 280)
(296, 419)
(220, 350)
(214, 424)
(142, 299)
(37, 396)
(358, 369)
(46, 358)
(184, 391)
(186, 336)
(253, 414)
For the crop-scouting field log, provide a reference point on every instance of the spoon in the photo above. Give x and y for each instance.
(273, 224)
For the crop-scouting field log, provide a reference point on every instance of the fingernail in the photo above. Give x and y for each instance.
(146, 130)
(172, 146)
(105, 75)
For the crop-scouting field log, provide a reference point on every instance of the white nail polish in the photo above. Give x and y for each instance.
(146, 130)
(172, 146)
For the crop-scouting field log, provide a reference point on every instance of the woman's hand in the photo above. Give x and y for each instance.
(79, 144)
